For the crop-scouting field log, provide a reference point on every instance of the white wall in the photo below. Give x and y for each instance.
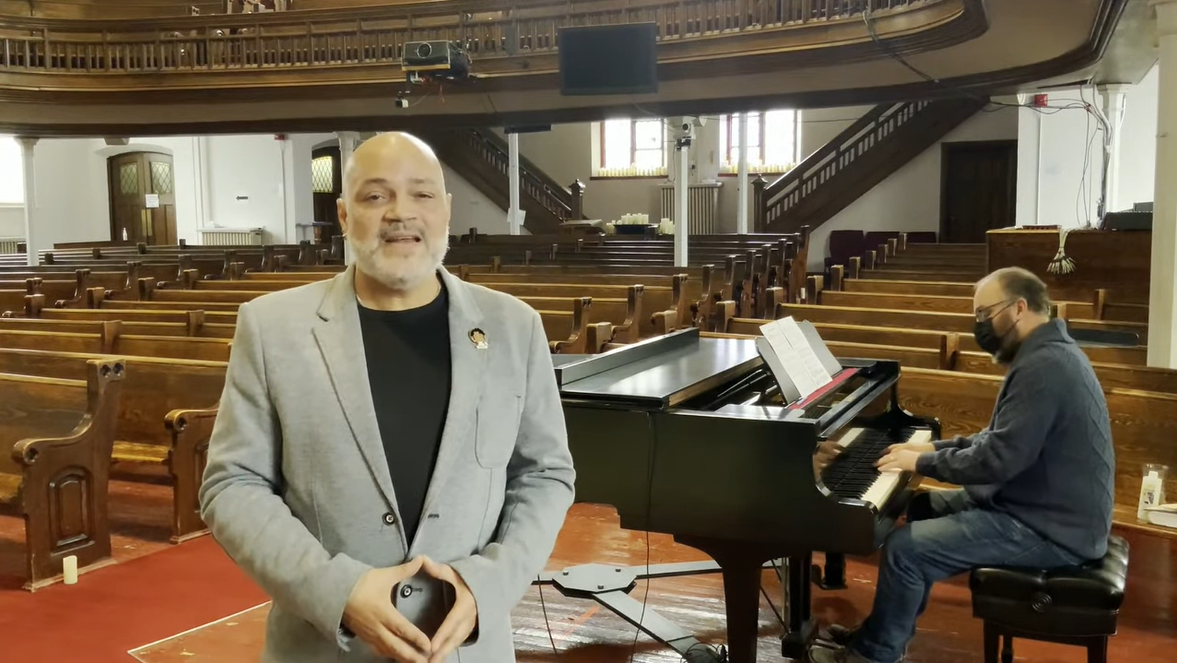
(1138, 145)
(12, 220)
(72, 203)
(472, 209)
(1059, 180)
(909, 200)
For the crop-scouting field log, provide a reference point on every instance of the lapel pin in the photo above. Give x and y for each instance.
(478, 338)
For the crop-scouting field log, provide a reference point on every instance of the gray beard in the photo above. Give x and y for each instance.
(397, 275)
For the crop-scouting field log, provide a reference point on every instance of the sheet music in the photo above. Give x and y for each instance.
(808, 357)
(796, 356)
(789, 359)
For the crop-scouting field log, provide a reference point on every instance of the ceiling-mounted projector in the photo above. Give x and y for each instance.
(444, 59)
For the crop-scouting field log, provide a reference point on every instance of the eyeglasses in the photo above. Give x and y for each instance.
(982, 313)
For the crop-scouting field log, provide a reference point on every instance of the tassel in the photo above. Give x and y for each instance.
(1061, 263)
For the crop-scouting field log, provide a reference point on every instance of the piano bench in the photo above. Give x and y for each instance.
(1074, 605)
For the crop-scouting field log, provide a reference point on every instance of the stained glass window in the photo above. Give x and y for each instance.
(323, 174)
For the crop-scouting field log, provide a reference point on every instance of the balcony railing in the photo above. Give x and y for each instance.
(301, 40)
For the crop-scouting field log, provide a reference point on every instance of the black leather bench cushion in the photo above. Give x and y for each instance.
(1069, 601)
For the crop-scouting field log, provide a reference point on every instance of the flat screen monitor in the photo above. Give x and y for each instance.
(608, 59)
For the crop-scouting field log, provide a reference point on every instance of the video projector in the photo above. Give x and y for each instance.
(438, 59)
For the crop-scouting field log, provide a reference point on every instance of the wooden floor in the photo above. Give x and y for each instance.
(581, 632)
(584, 632)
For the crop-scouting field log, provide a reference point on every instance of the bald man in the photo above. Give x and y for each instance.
(1037, 483)
(389, 461)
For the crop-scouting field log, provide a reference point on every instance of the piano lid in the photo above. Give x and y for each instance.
(659, 373)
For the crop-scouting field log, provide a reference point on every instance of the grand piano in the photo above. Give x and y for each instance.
(707, 438)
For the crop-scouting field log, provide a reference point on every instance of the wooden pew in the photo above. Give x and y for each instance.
(1111, 376)
(659, 310)
(621, 315)
(58, 436)
(567, 331)
(194, 319)
(165, 417)
(873, 317)
(689, 288)
(922, 288)
(153, 328)
(175, 347)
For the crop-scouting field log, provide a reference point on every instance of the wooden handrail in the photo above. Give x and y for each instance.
(865, 134)
(370, 36)
(533, 181)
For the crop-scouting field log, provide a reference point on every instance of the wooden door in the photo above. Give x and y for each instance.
(142, 198)
(979, 184)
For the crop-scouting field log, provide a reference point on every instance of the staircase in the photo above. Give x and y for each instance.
(866, 153)
(481, 157)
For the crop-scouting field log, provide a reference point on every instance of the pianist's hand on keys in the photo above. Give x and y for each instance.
(903, 457)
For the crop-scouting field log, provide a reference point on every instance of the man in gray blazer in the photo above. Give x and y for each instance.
(390, 423)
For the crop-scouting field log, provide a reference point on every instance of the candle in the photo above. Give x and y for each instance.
(70, 569)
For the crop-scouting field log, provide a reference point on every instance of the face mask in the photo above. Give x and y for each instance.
(991, 342)
(987, 337)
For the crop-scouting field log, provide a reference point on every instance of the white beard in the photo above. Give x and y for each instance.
(397, 273)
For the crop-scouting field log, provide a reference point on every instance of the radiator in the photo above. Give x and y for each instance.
(230, 236)
(10, 245)
(703, 206)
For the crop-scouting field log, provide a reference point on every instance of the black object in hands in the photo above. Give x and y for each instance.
(425, 601)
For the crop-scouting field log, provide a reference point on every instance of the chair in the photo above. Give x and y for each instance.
(1074, 605)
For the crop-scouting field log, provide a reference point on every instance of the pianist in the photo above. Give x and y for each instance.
(1037, 483)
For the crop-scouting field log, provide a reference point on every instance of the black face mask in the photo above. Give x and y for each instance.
(987, 337)
(990, 341)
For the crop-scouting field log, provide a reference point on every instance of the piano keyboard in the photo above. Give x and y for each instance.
(853, 473)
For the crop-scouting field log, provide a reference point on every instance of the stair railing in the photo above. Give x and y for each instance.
(872, 129)
(563, 203)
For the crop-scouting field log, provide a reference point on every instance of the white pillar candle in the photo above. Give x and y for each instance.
(70, 569)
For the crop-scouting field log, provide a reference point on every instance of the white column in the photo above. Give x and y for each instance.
(33, 231)
(1114, 96)
(742, 180)
(347, 146)
(514, 214)
(681, 187)
(1162, 309)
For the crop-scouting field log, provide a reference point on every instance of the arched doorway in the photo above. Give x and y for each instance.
(327, 183)
(142, 198)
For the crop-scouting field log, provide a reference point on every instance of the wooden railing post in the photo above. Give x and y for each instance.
(576, 208)
(759, 204)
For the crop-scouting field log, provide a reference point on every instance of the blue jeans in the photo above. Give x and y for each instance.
(946, 535)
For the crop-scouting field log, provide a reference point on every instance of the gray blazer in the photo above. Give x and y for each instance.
(297, 489)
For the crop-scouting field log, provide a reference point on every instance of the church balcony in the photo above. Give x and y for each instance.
(325, 69)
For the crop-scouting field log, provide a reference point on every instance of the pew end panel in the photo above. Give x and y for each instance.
(64, 486)
(191, 431)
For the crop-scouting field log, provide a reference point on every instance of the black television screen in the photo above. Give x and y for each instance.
(609, 59)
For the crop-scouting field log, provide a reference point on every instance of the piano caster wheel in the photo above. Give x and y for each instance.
(836, 579)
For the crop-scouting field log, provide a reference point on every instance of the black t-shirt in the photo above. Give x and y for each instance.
(408, 356)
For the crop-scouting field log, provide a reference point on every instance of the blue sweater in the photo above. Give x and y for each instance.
(1046, 457)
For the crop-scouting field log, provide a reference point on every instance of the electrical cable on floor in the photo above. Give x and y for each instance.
(547, 623)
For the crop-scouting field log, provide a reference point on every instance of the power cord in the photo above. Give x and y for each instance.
(547, 622)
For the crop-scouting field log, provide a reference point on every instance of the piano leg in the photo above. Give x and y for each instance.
(742, 566)
(835, 572)
(800, 627)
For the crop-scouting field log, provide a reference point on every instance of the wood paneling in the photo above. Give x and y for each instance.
(1116, 260)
